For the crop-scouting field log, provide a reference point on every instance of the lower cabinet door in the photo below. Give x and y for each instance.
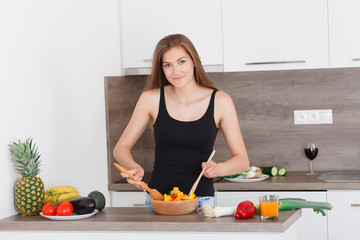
(344, 217)
(310, 226)
(127, 199)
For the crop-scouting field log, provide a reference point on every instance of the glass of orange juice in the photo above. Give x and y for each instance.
(269, 207)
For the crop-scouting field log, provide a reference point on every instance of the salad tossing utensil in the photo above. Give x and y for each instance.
(155, 194)
(202, 172)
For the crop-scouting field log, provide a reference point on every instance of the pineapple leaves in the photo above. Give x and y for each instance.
(26, 157)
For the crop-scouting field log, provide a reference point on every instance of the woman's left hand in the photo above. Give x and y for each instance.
(211, 169)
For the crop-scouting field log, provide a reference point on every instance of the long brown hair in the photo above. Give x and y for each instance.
(157, 77)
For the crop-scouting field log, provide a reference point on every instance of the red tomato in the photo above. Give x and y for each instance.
(174, 196)
(65, 209)
(49, 209)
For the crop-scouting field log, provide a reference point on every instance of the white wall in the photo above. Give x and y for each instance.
(54, 55)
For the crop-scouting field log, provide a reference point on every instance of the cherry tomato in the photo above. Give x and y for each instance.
(174, 196)
(49, 209)
(65, 209)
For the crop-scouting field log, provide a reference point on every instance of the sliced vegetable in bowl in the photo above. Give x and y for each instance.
(177, 195)
(175, 203)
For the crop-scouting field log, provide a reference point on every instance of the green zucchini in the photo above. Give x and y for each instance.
(282, 172)
(271, 171)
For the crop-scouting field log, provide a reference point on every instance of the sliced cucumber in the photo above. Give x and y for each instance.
(282, 172)
(271, 171)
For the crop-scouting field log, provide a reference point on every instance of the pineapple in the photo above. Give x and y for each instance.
(29, 189)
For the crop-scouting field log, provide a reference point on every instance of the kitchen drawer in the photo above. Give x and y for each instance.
(344, 217)
(127, 199)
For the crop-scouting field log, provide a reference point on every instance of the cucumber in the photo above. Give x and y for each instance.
(271, 171)
(282, 172)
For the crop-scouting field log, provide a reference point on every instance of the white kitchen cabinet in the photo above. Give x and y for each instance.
(310, 225)
(275, 35)
(343, 219)
(127, 199)
(145, 22)
(344, 33)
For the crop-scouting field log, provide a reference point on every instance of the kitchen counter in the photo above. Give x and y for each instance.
(145, 219)
(298, 181)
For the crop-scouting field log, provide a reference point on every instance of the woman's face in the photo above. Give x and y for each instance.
(178, 66)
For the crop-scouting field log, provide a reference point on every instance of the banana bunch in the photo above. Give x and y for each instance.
(62, 193)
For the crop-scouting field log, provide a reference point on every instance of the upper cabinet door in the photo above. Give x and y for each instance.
(275, 35)
(344, 33)
(145, 22)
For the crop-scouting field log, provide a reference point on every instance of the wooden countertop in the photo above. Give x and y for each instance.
(145, 219)
(298, 181)
(292, 181)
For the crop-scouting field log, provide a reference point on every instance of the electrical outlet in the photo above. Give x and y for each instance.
(322, 116)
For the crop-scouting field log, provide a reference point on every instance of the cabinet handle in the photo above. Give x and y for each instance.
(355, 204)
(275, 62)
(147, 60)
(356, 59)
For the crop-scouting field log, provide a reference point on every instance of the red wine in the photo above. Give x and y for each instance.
(311, 153)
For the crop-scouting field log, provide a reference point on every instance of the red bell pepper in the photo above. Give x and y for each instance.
(245, 209)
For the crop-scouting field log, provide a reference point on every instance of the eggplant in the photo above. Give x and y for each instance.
(83, 205)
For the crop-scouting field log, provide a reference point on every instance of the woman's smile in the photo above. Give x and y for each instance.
(177, 78)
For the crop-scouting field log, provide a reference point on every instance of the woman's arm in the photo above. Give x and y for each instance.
(141, 117)
(226, 117)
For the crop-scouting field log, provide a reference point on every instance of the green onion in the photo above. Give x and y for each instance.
(296, 203)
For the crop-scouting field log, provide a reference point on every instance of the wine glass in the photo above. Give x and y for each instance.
(311, 151)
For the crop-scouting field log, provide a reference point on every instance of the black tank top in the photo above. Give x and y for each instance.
(180, 148)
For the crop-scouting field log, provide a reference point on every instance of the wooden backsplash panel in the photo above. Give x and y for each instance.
(265, 102)
(121, 95)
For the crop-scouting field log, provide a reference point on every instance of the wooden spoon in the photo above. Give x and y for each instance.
(202, 172)
(155, 194)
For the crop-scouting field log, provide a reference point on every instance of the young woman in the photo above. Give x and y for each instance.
(187, 111)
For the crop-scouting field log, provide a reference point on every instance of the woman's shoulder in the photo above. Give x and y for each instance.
(223, 98)
(151, 93)
(149, 101)
(224, 106)
(149, 97)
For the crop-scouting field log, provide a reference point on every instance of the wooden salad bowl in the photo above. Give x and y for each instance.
(174, 207)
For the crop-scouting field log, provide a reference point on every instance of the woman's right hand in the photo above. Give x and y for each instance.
(138, 174)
